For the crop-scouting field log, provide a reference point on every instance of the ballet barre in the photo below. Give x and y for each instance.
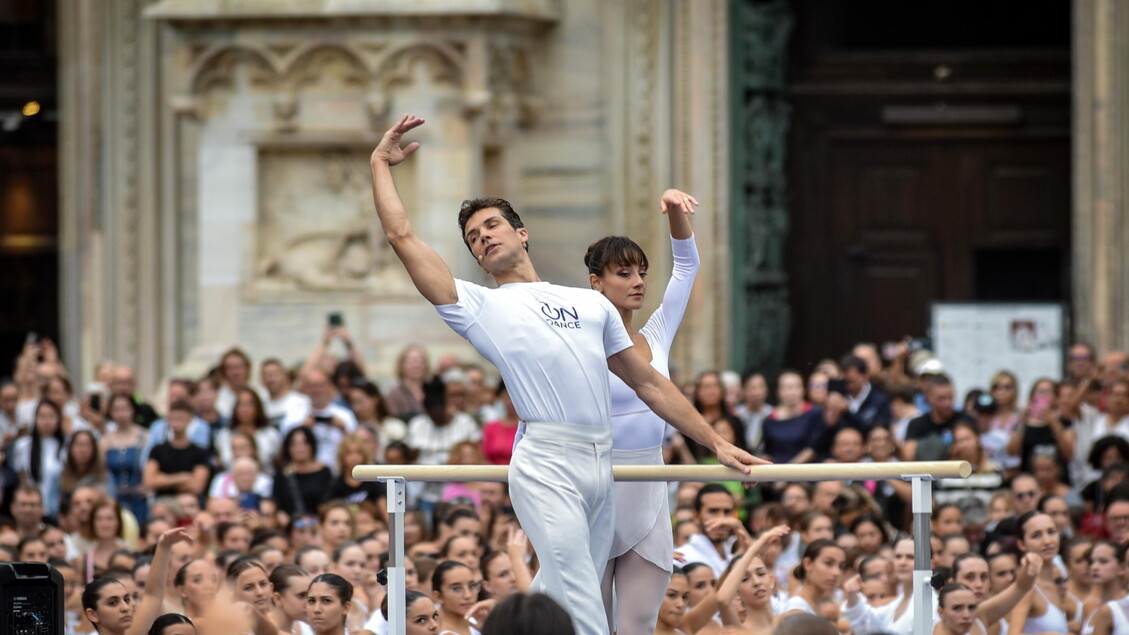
(921, 474)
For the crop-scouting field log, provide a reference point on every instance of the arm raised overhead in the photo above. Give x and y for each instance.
(428, 271)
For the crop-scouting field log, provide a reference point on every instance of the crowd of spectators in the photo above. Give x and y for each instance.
(255, 459)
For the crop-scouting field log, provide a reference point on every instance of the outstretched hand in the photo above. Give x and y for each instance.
(389, 150)
(736, 458)
(173, 536)
(677, 200)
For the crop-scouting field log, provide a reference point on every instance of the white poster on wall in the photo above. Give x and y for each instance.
(976, 340)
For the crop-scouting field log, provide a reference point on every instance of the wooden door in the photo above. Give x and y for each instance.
(906, 221)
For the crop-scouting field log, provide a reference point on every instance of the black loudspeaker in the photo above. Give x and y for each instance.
(31, 599)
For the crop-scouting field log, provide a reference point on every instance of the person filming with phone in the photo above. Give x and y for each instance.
(329, 421)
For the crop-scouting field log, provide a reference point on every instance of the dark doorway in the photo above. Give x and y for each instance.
(29, 249)
(929, 160)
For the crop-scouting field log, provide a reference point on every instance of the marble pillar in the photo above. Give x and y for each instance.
(1101, 173)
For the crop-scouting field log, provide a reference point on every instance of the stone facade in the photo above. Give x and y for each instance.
(1101, 173)
(216, 187)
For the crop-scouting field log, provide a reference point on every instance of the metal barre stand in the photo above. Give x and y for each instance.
(920, 474)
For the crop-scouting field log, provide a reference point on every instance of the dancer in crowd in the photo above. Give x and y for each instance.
(1107, 577)
(327, 604)
(671, 612)
(753, 583)
(549, 343)
(455, 589)
(820, 571)
(640, 559)
(1047, 610)
(172, 624)
(108, 603)
(290, 583)
(420, 615)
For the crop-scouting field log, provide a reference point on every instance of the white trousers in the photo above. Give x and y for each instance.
(561, 489)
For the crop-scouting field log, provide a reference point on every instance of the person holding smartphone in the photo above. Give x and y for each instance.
(1042, 428)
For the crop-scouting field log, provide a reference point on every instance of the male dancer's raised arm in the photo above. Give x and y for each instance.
(664, 398)
(428, 271)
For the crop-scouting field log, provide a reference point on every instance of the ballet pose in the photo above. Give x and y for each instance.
(640, 563)
(550, 344)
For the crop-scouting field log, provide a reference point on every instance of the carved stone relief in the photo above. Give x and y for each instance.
(315, 229)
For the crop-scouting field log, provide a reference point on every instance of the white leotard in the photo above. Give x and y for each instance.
(634, 426)
(1051, 621)
(1117, 610)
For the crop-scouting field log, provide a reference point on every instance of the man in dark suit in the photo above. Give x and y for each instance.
(866, 405)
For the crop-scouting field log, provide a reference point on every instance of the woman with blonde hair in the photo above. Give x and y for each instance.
(405, 400)
(351, 452)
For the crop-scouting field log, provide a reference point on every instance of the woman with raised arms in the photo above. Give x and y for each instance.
(640, 558)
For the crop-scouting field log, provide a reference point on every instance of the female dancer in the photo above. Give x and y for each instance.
(421, 616)
(172, 624)
(751, 580)
(290, 584)
(640, 557)
(1047, 610)
(455, 590)
(108, 604)
(957, 605)
(819, 571)
(327, 604)
(672, 611)
(349, 563)
(1107, 570)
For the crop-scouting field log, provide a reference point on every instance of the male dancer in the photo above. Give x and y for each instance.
(551, 345)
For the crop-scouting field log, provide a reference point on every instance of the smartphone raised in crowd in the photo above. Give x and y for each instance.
(336, 319)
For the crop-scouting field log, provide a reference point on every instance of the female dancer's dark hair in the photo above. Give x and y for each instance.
(167, 620)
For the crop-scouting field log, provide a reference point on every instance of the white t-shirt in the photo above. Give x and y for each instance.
(701, 549)
(634, 426)
(288, 410)
(549, 342)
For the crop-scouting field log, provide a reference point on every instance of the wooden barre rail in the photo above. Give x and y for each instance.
(705, 473)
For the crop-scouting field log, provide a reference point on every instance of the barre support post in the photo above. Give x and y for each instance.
(396, 497)
(922, 557)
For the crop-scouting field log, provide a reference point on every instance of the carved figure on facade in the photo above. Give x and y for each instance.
(315, 224)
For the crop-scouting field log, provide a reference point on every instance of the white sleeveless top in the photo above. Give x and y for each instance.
(1117, 610)
(634, 426)
(1052, 621)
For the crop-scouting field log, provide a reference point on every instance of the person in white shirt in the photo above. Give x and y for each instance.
(550, 344)
(433, 434)
(714, 512)
(285, 407)
(1094, 424)
(235, 371)
(329, 421)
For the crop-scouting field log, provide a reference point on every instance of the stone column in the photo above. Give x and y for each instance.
(1101, 173)
(700, 163)
(110, 268)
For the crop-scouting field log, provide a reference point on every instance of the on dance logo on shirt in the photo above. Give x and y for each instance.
(561, 317)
